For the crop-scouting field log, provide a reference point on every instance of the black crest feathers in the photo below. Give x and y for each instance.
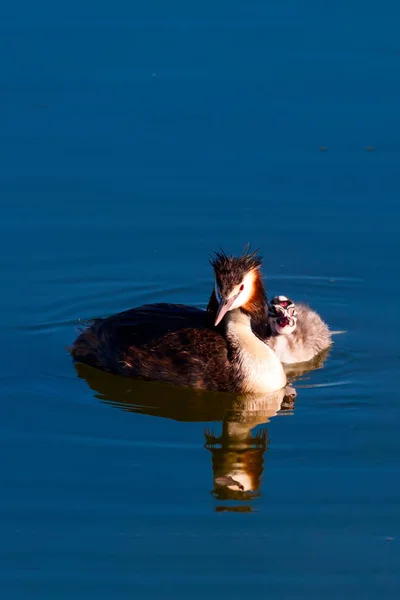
(230, 270)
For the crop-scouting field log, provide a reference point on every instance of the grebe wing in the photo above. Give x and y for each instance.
(160, 342)
(145, 323)
(163, 312)
(194, 357)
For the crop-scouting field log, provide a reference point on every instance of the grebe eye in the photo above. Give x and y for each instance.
(241, 288)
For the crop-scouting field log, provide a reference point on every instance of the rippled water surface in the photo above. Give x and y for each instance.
(134, 140)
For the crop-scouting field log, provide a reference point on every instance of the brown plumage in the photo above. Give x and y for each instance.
(179, 344)
(155, 342)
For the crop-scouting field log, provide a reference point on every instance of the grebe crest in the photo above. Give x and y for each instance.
(238, 284)
(282, 315)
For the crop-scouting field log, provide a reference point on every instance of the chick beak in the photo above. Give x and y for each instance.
(223, 308)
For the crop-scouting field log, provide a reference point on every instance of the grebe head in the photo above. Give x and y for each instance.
(282, 315)
(238, 283)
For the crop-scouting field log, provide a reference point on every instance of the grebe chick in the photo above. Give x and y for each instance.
(182, 345)
(298, 332)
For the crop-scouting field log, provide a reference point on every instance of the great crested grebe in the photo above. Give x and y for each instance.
(298, 333)
(187, 346)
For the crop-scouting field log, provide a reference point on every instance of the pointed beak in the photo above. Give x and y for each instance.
(223, 308)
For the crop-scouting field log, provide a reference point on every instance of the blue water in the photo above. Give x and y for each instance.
(135, 138)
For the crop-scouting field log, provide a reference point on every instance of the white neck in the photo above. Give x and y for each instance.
(258, 365)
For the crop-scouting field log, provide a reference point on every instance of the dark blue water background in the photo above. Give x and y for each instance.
(134, 139)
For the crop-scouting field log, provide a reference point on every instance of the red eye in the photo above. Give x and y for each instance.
(241, 288)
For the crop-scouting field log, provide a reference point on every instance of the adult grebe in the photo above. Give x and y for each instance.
(182, 345)
(298, 333)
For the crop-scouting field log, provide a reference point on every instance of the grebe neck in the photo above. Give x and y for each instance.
(256, 363)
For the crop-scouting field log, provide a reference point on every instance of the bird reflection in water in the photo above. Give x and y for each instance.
(237, 453)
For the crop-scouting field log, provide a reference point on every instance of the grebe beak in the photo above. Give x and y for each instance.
(224, 307)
